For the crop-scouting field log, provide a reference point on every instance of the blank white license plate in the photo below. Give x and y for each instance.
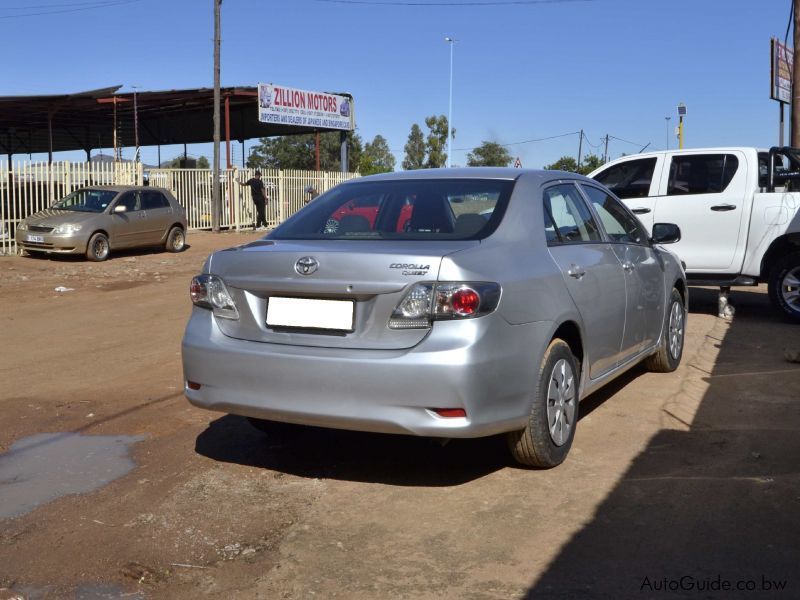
(34, 238)
(310, 314)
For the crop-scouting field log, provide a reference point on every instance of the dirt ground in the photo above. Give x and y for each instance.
(689, 477)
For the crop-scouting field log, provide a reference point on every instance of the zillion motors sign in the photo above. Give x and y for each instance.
(302, 108)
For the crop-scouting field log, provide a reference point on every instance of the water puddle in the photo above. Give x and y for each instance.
(40, 468)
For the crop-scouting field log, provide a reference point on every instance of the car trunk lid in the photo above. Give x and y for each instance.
(366, 279)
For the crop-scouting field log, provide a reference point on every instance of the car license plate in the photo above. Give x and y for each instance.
(34, 238)
(307, 313)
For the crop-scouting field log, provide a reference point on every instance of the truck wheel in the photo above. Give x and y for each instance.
(670, 350)
(784, 286)
(547, 438)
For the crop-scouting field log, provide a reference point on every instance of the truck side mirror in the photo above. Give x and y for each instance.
(665, 233)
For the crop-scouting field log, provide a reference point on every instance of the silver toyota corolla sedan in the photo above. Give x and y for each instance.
(444, 303)
(94, 221)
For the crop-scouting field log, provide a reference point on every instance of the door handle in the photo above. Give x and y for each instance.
(723, 207)
(641, 211)
(576, 271)
(628, 267)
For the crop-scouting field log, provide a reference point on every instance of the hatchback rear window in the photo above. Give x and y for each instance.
(451, 209)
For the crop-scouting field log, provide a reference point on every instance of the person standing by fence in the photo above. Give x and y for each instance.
(259, 195)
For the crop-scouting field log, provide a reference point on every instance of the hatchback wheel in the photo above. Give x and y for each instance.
(547, 438)
(176, 240)
(98, 248)
(668, 356)
(784, 286)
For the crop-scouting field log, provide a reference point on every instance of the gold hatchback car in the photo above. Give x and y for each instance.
(94, 221)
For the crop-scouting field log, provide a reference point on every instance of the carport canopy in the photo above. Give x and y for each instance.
(85, 121)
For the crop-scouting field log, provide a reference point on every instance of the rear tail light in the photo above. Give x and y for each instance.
(428, 302)
(209, 291)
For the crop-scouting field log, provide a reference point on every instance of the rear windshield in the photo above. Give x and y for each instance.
(443, 209)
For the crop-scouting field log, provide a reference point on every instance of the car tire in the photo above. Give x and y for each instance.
(784, 287)
(176, 240)
(547, 438)
(668, 356)
(98, 248)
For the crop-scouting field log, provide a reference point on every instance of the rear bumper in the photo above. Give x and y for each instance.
(485, 366)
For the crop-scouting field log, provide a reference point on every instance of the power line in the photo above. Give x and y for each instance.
(56, 9)
(457, 3)
(627, 141)
(552, 137)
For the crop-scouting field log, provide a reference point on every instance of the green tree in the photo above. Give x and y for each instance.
(565, 163)
(202, 163)
(376, 158)
(489, 154)
(590, 163)
(299, 152)
(436, 142)
(414, 149)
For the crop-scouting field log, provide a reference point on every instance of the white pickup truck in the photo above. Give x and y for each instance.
(738, 210)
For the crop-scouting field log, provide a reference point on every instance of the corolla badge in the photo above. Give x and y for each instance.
(306, 265)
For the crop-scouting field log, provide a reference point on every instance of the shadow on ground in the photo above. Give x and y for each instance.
(717, 503)
(351, 455)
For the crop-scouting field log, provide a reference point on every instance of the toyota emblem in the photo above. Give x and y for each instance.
(306, 265)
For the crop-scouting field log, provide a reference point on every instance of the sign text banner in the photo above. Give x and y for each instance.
(302, 108)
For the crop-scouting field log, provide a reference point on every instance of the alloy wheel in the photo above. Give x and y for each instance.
(790, 289)
(676, 330)
(561, 402)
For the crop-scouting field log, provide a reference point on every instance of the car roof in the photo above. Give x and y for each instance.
(507, 173)
(122, 188)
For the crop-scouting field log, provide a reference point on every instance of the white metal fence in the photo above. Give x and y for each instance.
(28, 187)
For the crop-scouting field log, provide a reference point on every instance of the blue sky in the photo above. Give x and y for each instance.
(521, 72)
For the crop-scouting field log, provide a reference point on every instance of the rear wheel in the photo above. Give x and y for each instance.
(669, 353)
(784, 286)
(98, 249)
(176, 240)
(547, 438)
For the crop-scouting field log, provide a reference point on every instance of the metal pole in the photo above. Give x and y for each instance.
(605, 151)
(451, 41)
(667, 119)
(216, 190)
(580, 149)
(343, 150)
(135, 125)
(780, 133)
(796, 78)
(680, 133)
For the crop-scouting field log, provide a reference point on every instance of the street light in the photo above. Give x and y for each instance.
(667, 119)
(451, 41)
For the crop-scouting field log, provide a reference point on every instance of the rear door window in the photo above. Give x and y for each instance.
(701, 173)
(629, 179)
(151, 200)
(457, 209)
(567, 219)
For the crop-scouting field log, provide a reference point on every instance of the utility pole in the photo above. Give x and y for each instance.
(605, 151)
(580, 149)
(216, 189)
(796, 78)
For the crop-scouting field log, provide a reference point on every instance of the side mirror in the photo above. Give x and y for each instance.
(120, 208)
(666, 233)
